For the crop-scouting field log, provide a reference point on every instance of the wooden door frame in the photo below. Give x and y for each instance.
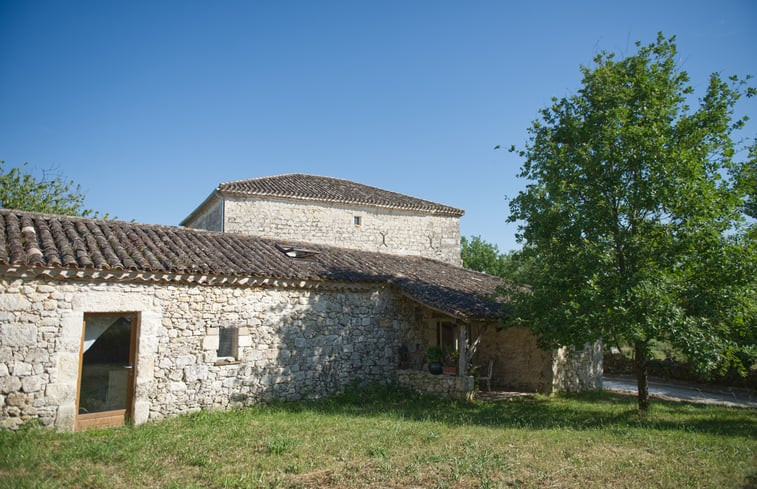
(118, 417)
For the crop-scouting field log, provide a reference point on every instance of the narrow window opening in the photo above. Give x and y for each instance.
(228, 341)
(357, 220)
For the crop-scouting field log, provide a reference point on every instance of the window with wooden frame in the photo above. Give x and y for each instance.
(106, 380)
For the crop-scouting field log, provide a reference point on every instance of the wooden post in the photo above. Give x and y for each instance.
(463, 348)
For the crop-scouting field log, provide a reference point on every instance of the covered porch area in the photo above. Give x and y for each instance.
(472, 354)
(467, 347)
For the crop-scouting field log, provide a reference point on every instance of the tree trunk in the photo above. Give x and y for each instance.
(473, 343)
(642, 380)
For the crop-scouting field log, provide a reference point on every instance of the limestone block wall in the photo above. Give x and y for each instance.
(578, 370)
(27, 366)
(292, 344)
(40, 341)
(380, 230)
(449, 386)
(519, 364)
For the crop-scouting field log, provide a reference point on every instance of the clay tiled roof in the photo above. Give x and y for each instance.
(52, 242)
(326, 189)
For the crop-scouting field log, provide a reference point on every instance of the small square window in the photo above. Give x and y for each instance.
(357, 220)
(228, 341)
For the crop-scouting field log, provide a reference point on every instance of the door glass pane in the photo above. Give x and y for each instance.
(105, 363)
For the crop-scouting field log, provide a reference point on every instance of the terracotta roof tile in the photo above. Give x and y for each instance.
(326, 189)
(31, 240)
(3, 242)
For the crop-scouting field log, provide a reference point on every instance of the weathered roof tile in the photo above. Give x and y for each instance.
(3, 241)
(74, 242)
(327, 189)
(15, 242)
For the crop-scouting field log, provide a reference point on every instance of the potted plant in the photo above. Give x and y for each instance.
(434, 358)
(451, 359)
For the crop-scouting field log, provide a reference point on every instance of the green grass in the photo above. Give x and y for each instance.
(394, 438)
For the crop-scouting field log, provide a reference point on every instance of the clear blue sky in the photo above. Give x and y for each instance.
(149, 105)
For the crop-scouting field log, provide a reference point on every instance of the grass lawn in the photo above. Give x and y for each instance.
(392, 438)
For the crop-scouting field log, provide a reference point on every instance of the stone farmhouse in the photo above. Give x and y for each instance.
(289, 287)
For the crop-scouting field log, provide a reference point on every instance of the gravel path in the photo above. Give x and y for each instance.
(681, 391)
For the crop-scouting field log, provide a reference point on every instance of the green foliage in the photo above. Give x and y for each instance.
(747, 178)
(482, 256)
(434, 354)
(450, 358)
(485, 257)
(21, 190)
(634, 214)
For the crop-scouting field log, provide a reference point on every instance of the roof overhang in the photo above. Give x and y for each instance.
(241, 281)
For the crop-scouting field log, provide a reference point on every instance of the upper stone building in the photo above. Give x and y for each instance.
(334, 212)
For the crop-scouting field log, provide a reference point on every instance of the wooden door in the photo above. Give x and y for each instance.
(105, 393)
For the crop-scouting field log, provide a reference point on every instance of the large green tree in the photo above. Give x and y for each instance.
(51, 193)
(746, 176)
(633, 215)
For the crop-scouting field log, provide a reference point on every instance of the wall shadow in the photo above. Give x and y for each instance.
(587, 411)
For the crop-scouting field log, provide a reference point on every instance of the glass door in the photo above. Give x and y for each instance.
(106, 370)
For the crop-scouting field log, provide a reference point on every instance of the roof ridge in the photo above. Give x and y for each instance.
(269, 176)
(352, 193)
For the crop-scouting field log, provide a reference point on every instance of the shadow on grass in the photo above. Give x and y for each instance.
(578, 412)
(751, 481)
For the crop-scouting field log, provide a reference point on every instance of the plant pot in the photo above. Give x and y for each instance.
(435, 368)
(449, 370)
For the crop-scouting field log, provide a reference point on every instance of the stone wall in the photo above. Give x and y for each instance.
(292, 344)
(450, 386)
(519, 364)
(380, 230)
(209, 216)
(578, 370)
